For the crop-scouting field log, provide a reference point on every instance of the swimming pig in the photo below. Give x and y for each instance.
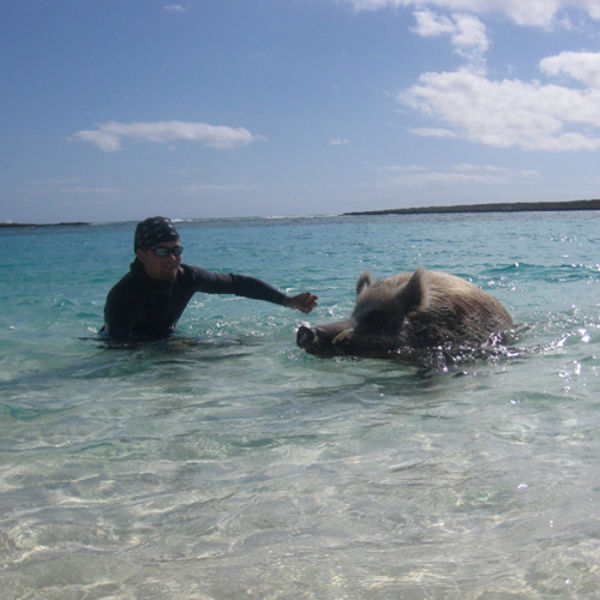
(408, 315)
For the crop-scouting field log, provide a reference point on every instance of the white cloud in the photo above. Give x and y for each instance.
(433, 132)
(535, 13)
(582, 66)
(103, 139)
(175, 8)
(508, 113)
(65, 186)
(467, 32)
(431, 24)
(193, 190)
(338, 142)
(109, 136)
(413, 176)
(84, 190)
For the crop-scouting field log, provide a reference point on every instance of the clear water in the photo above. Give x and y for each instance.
(226, 464)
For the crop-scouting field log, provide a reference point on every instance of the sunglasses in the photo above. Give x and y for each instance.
(162, 251)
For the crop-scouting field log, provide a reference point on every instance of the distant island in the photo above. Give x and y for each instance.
(486, 208)
(416, 210)
(66, 224)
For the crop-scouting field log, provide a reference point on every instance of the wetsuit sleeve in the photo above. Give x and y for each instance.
(210, 282)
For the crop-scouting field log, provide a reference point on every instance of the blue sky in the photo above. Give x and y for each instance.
(119, 110)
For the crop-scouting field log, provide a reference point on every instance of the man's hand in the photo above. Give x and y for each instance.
(303, 302)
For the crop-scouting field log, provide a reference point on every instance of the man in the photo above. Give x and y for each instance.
(147, 302)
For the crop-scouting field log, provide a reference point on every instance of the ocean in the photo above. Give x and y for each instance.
(225, 463)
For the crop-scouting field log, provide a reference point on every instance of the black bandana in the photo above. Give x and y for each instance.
(153, 231)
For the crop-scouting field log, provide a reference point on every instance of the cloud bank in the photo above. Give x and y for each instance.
(109, 136)
(508, 113)
(533, 13)
(581, 66)
(562, 114)
(466, 173)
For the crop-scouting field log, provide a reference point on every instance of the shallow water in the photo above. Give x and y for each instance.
(224, 463)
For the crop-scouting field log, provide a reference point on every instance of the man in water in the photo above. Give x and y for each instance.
(147, 302)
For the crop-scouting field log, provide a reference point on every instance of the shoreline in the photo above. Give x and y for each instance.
(486, 208)
(571, 205)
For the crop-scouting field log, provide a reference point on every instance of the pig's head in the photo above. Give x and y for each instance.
(375, 328)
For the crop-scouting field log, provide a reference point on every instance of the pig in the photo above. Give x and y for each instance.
(408, 316)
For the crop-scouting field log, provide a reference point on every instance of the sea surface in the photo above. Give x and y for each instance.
(226, 464)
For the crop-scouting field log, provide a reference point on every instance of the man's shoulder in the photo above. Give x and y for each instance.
(194, 273)
(128, 283)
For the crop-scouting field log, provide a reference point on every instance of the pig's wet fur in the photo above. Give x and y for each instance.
(425, 317)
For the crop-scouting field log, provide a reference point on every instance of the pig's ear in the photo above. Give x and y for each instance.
(364, 280)
(412, 295)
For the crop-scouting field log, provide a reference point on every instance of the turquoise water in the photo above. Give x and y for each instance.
(226, 464)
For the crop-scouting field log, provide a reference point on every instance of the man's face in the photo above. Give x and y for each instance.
(163, 268)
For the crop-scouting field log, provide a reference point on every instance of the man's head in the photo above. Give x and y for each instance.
(153, 231)
(157, 248)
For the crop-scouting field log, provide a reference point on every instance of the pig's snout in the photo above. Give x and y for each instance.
(306, 337)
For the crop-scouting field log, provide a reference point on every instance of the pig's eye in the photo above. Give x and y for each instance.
(375, 320)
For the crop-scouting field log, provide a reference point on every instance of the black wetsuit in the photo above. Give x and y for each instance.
(141, 308)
